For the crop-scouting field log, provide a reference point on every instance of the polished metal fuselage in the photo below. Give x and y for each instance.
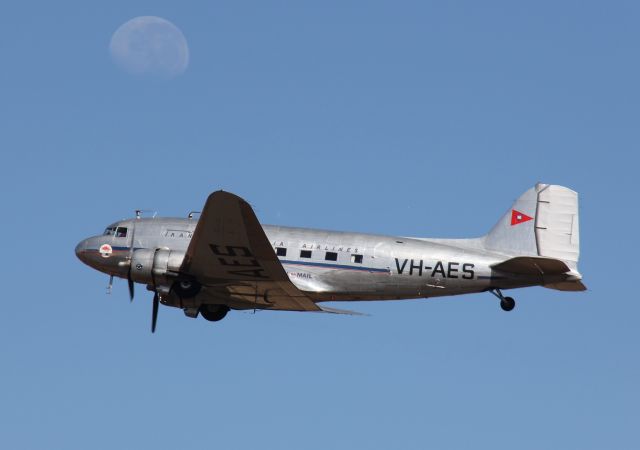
(366, 266)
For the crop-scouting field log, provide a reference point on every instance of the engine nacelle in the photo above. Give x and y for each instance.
(158, 267)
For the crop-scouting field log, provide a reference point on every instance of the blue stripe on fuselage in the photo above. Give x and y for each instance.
(333, 266)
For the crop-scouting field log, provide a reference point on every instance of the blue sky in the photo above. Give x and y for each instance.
(407, 118)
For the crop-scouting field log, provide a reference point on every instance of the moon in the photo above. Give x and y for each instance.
(150, 46)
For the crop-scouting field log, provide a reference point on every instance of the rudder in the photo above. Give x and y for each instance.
(557, 225)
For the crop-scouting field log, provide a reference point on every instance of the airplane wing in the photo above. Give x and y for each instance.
(231, 257)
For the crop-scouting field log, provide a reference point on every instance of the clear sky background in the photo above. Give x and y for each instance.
(408, 118)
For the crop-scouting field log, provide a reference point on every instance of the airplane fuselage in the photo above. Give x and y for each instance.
(329, 265)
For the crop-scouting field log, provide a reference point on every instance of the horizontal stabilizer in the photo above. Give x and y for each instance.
(567, 286)
(531, 265)
(327, 309)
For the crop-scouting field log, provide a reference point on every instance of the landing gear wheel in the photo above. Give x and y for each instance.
(507, 303)
(214, 313)
(186, 288)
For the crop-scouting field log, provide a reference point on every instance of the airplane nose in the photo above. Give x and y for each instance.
(80, 250)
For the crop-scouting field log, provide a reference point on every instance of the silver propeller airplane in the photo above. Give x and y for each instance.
(227, 260)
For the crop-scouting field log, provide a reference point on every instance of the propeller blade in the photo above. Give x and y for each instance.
(154, 315)
(131, 248)
(110, 285)
(130, 281)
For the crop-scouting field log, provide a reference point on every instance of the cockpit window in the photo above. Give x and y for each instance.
(110, 231)
(121, 232)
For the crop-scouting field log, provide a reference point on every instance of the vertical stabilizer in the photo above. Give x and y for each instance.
(514, 234)
(542, 222)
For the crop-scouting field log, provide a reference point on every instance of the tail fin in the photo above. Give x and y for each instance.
(542, 222)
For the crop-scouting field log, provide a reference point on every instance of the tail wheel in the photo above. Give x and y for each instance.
(214, 313)
(507, 303)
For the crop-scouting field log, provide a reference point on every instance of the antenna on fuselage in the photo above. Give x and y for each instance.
(140, 212)
(191, 213)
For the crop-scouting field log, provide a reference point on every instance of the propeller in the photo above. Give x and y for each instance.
(131, 284)
(154, 315)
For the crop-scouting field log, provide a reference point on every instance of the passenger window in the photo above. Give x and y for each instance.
(305, 253)
(356, 259)
(121, 232)
(281, 251)
(331, 256)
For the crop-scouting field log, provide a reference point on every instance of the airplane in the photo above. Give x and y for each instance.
(226, 260)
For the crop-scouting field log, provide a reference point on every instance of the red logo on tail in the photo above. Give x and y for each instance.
(517, 217)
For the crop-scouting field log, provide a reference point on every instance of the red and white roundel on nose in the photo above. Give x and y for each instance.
(105, 250)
